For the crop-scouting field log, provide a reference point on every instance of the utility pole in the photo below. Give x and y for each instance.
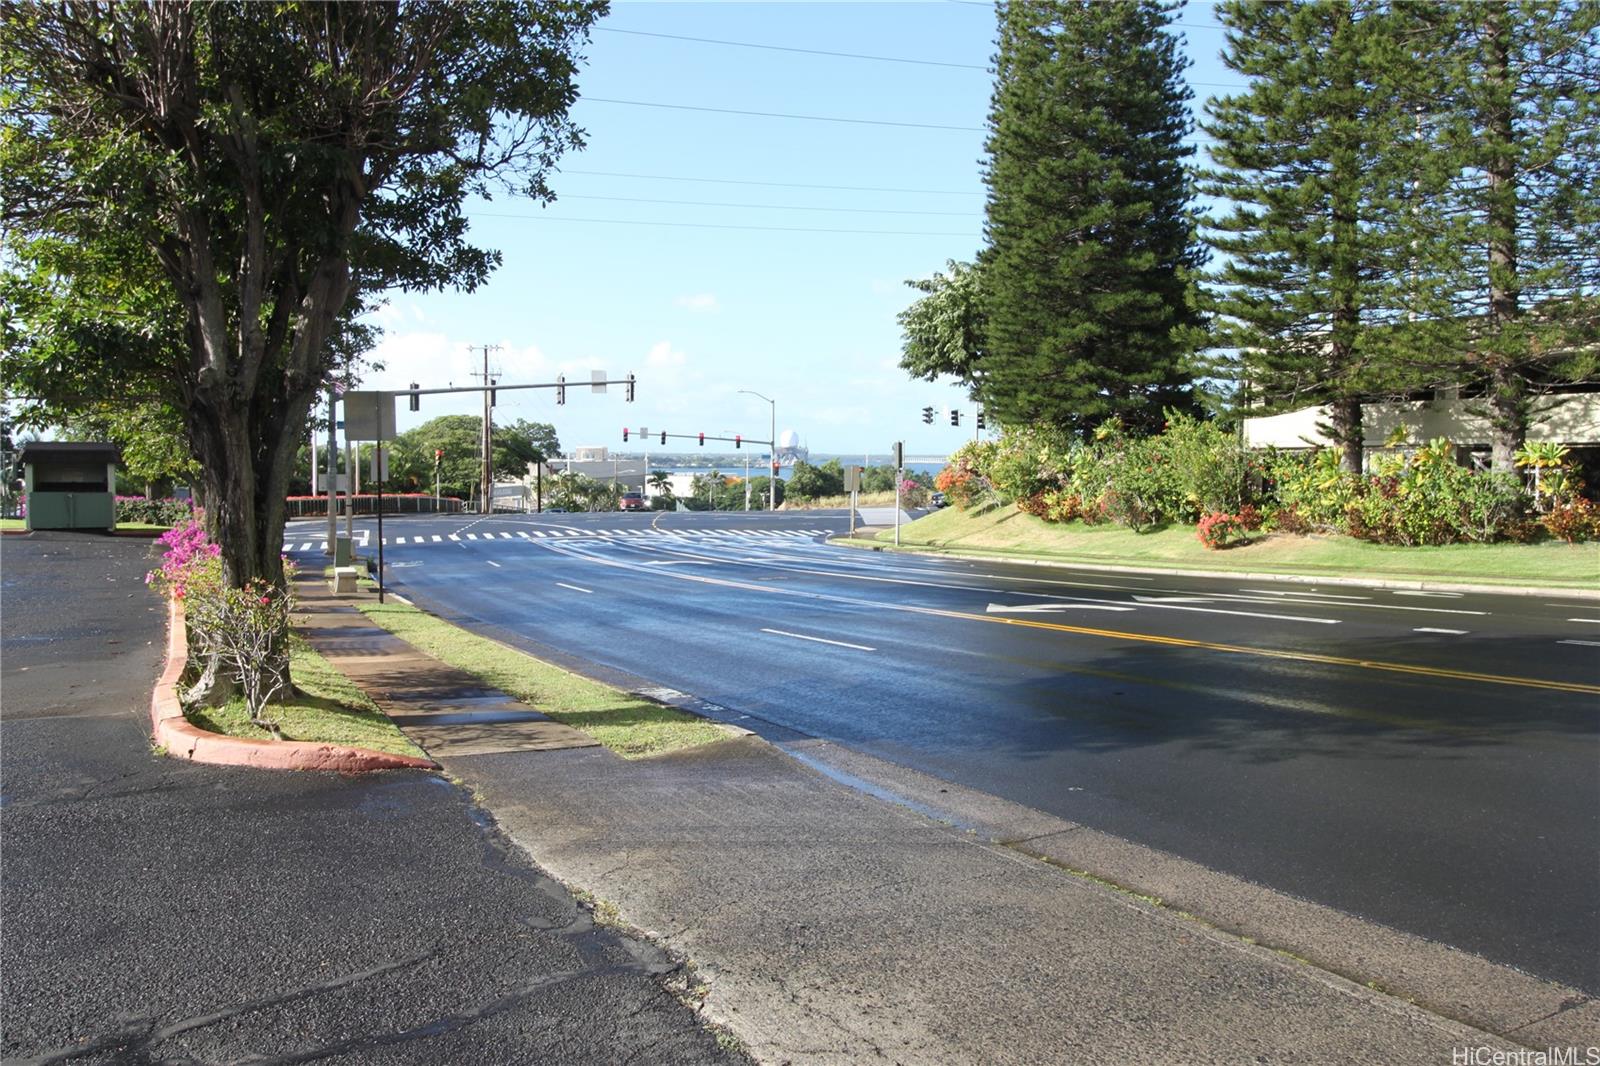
(486, 438)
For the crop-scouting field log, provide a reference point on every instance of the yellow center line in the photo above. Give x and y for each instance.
(1278, 653)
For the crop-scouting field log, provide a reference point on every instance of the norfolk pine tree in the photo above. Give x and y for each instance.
(1318, 160)
(1088, 273)
(1518, 124)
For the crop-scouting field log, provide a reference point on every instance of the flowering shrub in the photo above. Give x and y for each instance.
(960, 487)
(1573, 521)
(1194, 469)
(1218, 529)
(912, 494)
(243, 629)
(188, 549)
(165, 512)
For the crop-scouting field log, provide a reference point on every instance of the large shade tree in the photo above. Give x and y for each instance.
(259, 168)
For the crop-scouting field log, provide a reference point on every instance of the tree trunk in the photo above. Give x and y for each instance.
(1345, 416)
(1508, 389)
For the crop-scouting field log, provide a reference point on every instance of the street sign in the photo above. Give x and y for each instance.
(369, 415)
(598, 380)
(852, 479)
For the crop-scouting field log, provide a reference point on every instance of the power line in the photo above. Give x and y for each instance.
(802, 51)
(767, 207)
(712, 225)
(774, 114)
(776, 184)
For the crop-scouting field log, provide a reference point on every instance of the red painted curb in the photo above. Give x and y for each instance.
(183, 739)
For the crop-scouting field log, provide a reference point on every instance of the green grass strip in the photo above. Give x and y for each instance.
(628, 725)
(328, 709)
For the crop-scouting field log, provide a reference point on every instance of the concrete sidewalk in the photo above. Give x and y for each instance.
(830, 926)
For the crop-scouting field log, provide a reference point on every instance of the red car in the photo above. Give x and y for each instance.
(632, 501)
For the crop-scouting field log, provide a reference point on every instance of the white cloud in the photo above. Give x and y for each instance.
(700, 302)
(663, 354)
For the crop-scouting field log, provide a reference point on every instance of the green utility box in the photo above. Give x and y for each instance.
(341, 551)
(70, 485)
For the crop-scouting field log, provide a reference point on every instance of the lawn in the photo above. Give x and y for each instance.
(329, 709)
(1006, 532)
(630, 726)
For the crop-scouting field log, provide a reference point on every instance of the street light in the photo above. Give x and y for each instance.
(772, 472)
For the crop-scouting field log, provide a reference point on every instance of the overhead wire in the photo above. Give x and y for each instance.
(716, 225)
(765, 207)
(777, 114)
(776, 184)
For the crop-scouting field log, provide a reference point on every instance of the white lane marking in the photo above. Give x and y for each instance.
(1156, 601)
(437, 538)
(306, 546)
(1430, 629)
(1581, 643)
(1440, 595)
(1313, 592)
(454, 536)
(1595, 621)
(575, 588)
(540, 533)
(1046, 608)
(505, 536)
(819, 640)
(472, 536)
(492, 563)
(523, 533)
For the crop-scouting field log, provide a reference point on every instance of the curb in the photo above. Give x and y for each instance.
(183, 739)
(1410, 584)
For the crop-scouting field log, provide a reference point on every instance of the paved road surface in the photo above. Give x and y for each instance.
(1421, 759)
(157, 911)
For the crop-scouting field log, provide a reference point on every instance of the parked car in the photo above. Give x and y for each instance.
(632, 501)
(936, 501)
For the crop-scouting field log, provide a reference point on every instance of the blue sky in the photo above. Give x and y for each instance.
(769, 278)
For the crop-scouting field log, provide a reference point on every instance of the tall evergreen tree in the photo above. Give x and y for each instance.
(1318, 161)
(1518, 124)
(1090, 256)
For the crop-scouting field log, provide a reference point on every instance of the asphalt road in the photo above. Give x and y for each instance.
(160, 911)
(1424, 760)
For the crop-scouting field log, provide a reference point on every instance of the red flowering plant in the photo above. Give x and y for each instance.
(1218, 530)
(240, 630)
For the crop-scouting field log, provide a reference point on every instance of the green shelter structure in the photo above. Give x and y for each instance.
(70, 485)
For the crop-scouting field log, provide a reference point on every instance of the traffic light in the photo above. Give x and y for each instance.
(927, 415)
(980, 418)
(416, 400)
(561, 389)
(955, 417)
(663, 436)
(438, 459)
(702, 440)
(624, 434)
(491, 391)
(738, 440)
(630, 388)
(899, 455)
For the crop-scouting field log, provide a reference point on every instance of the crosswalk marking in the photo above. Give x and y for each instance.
(364, 540)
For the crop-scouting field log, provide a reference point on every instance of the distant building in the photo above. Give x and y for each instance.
(1571, 418)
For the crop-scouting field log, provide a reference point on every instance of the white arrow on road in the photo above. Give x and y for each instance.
(1047, 608)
